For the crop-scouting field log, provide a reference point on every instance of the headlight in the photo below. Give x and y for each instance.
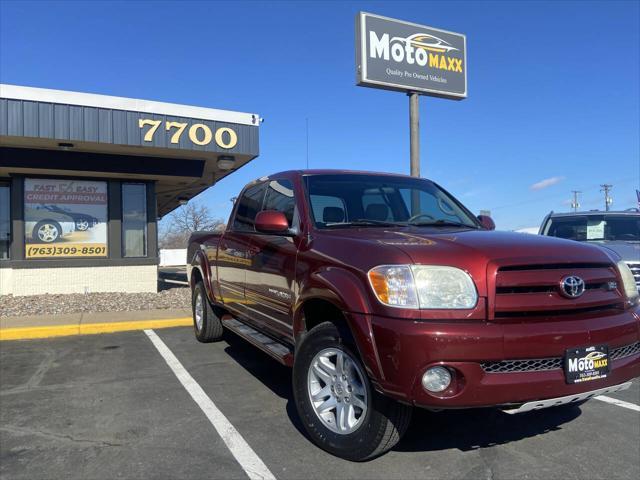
(628, 282)
(423, 286)
(393, 285)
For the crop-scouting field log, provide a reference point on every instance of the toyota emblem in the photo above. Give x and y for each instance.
(572, 286)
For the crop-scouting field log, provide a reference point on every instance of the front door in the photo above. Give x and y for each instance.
(270, 291)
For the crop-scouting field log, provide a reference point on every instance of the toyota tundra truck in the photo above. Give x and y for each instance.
(384, 293)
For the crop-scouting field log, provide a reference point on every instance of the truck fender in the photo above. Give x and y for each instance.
(345, 291)
(200, 263)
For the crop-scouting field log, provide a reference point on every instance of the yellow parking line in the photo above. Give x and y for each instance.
(23, 333)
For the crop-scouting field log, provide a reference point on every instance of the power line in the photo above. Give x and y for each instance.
(625, 180)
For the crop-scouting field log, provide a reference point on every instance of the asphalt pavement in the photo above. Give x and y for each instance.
(111, 406)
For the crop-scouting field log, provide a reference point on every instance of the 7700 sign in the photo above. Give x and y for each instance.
(199, 133)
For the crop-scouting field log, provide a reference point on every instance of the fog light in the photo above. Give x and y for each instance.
(436, 379)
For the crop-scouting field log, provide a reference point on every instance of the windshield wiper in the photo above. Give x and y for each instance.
(442, 223)
(363, 222)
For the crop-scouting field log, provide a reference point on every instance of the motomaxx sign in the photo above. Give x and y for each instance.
(405, 56)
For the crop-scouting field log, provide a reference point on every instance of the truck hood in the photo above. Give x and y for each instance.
(471, 250)
(458, 247)
(628, 251)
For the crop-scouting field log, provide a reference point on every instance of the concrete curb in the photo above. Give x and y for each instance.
(87, 327)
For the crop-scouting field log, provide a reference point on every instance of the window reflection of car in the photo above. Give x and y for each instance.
(45, 226)
(617, 231)
(83, 221)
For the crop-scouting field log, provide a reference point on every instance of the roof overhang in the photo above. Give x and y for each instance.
(83, 130)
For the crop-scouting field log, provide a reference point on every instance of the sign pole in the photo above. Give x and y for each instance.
(414, 134)
(414, 147)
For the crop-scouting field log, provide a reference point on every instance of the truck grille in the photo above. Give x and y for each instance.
(626, 351)
(635, 269)
(552, 363)
(533, 291)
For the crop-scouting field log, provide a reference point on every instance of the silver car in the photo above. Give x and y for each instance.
(617, 231)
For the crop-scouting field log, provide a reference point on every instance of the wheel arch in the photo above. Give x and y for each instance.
(199, 270)
(337, 295)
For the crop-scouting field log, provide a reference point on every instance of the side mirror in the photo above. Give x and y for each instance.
(271, 221)
(487, 222)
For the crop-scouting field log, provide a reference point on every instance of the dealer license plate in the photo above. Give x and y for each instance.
(586, 364)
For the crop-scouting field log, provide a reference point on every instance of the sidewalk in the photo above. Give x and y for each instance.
(43, 326)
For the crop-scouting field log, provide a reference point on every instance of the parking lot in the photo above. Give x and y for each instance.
(113, 406)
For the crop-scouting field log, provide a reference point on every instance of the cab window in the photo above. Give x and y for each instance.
(249, 204)
(280, 197)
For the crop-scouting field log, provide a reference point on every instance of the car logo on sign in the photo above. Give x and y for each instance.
(572, 286)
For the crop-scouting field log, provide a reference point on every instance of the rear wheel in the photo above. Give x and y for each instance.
(82, 225)
(207, 325)
(340, 410)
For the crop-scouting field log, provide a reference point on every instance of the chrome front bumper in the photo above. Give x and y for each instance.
(553, 402)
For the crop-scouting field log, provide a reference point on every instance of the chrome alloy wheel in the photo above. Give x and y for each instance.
(337, 391)
(82, 225)
(47, 233)
(199, 311)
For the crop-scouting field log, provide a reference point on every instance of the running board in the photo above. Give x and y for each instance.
(271, 347)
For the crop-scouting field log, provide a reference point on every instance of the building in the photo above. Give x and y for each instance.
(84, 178)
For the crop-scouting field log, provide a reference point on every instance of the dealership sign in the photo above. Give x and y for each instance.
(405, 56)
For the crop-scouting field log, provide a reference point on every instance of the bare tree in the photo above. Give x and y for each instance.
(182, 222)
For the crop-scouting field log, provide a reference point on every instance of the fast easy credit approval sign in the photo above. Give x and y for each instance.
(404, 56)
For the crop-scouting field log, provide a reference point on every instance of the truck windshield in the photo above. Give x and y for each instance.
(595, 228)
(345, 200)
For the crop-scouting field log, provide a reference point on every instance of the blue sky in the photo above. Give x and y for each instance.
(553, 101)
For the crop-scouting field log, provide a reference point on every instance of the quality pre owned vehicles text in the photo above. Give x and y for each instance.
(383, 292)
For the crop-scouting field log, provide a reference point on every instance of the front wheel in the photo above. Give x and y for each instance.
(46, 231)
(340, 410)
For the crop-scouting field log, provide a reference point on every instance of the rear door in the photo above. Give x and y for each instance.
(270, 279)
(234, 252)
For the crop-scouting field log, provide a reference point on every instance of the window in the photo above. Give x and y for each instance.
(5, 221)
(595, 227)
(341, 200)
(431, 205)
(327, 208)
(376, 206)
(65, 218)
(280, 198)
(249, 205)
(134, 220)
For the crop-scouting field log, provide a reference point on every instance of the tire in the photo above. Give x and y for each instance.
(377, 429)
(206, 324)
(46, 231)
(82, 225)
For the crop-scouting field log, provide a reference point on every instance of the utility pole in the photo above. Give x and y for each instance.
(575, 204)
(607, 199)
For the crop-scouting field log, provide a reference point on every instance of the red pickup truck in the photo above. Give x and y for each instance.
(384, 292)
